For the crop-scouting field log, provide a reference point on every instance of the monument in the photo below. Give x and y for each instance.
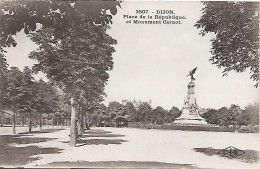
(190, 114)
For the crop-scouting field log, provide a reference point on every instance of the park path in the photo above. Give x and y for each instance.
(128, 144)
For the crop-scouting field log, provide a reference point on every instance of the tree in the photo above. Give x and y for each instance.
(144, 111)
(218, 117)
(98, 114)
(27, 97)
(14, 92)
(75, 51)
(252, 110)
(158, 115)
(3, 79)
(79, 64)
(25, 15)
(46, 100)
(208, 115)
(221, 117)
(232, 117)
(236, 25)
(114, 107)
(63, 104)
(172, 114)
(88, 103)
(130, 111)
(243, 119)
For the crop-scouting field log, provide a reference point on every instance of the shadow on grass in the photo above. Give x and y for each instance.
(250, 156)
(5, 140)
(42, 131)
(99, 142)
(82, 141)
(99, 133)
(18, 156)
(120, 164)
(102, 135)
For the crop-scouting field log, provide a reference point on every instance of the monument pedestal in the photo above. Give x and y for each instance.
(190, 118)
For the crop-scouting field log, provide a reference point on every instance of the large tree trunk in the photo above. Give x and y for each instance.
(52, 123)
(61, 122)
(14, 121)
(81, 122)
(78, 128)
(40, 122)
(73, 128)
(30, 121)
(84, 122)
(48, 121)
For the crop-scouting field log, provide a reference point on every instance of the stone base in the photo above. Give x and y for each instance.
(190, 122)
(190, 118)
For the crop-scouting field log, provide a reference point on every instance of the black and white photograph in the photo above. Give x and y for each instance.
(129, 84)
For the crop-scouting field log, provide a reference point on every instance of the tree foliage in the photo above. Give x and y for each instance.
(252, 110)
(144, 111)
(236, 26)
(174, 113)
(75, 62)
(27, 87)
(74, 50)
(14, 91)
(3, 80)
(131, 111)
(233, 116)
(69, 37)
(29, 99)
(113, 107)
(116, 113)
(60, 15)
(46, 98)
(208, 116)
(156, 117)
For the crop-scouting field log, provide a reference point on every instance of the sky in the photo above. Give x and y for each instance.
(151, 62)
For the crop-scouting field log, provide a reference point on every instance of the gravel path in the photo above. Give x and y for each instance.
(139, 145)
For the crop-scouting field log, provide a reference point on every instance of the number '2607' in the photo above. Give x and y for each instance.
(141, 11)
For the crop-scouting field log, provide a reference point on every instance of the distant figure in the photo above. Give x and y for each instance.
(192, 73)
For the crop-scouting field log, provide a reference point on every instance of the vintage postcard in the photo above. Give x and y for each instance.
(129, 84)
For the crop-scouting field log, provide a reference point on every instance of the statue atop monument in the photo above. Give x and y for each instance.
(192, 72)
